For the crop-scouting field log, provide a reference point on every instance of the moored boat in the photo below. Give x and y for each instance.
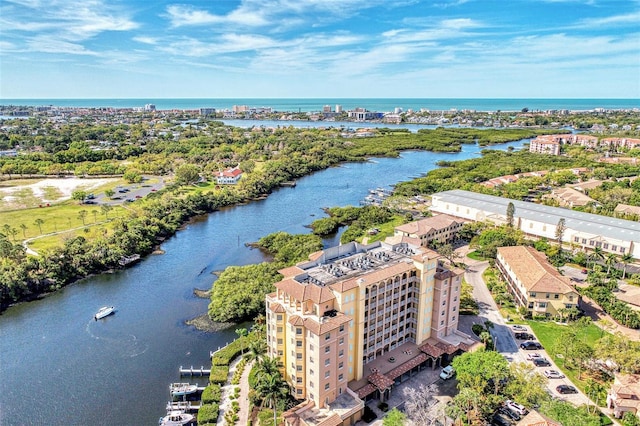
(179, 389)
(175, 418)
(105, 311)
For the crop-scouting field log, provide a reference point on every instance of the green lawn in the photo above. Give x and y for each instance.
(386, 230)
(476, 256)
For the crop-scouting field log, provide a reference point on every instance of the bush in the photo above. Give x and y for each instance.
(383, 406)
(208, 414)
(219, 374)
(368, 415)
(212, 393)
(477, 329)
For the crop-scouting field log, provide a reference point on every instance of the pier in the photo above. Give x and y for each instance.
(185, 406)
(191, 372)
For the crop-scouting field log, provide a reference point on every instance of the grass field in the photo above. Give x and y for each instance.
(386, 230)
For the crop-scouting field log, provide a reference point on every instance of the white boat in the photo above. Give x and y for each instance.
(180, 389)
(105, 311)
(176, 418)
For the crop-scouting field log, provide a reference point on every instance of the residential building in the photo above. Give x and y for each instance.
(207, 111)
(570, 197)
(545, 145)
(534, 418)
(624, 395)
(627, 210)
(440, 229)
(534, 283)
(581, 230)
(229, 176)
(355, 320)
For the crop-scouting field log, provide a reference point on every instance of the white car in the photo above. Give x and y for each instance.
(515, 407)
(553, 374)
(447, 372)
(519, 328)
(533, 356)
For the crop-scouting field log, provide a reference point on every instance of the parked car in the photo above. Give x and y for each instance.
(566, 389)
(524, 336)
(500, 418)
(533, 356)
(511, 414)
(553, 374)
(515, 407)
(541, 362)
(530, 346)
(519, 327)
(447, 372)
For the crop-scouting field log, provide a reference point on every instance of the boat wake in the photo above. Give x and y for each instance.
(125, 345)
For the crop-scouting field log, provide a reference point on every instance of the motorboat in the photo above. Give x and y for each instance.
(180, 389)
(105, 311)
(175, 418)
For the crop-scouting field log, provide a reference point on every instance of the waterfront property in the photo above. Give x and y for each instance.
(582, 230)
(534, 282)
(229, 176)
(355, 320)
(545, 144)
(440, 229)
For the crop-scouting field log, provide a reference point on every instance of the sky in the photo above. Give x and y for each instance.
(319, 49)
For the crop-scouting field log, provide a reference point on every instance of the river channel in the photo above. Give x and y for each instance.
(60, 367)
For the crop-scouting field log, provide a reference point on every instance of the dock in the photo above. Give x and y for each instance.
(182, 406)
(191, 372)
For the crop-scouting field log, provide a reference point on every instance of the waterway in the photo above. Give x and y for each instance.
(60, 367)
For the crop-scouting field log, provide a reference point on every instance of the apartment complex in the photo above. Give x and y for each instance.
(440, 229)
(356, 319)
(582, 230)
(534, 282)
(546, 144)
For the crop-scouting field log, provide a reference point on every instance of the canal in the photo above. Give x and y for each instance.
(59, 366)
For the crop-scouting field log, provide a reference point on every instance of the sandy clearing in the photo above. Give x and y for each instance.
(64, 186)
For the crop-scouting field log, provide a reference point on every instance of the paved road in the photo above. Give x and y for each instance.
(503, 334)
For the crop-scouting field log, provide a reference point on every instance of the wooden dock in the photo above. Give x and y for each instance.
(182, 406)
(191, 372)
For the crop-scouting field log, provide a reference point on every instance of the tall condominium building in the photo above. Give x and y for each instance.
(356, 319)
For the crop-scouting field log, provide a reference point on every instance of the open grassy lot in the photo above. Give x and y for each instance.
(386, 230)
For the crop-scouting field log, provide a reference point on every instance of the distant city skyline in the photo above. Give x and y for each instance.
(319, 49)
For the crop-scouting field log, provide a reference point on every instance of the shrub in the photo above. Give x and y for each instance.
(219, 374)
(208, 414)
(212, 393)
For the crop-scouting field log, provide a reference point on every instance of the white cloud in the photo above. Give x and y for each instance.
(617, 20)
(48, 44)
(145, 40)
(181, 15)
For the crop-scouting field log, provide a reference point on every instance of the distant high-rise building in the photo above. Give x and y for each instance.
(149, 107)
(338, 108)
(207, 111)
(326, 108)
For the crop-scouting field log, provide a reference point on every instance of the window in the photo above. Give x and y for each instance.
(279, 317)
(341, 341)
(326, 374)
(442, 314)
(299, 368)
(327, 349)
(454, 309)
(328, 336)
(530, 305)
(279, 329)
(441, 322)
(326, 386)
(444, 302)
(341, 328)
(453, 318)
(299, 343)
(622, 249)
(340, 377)
(310, 347)
(614, 248)
(584, 241)
(311, 385)
(298, 330)
(605, 245)
(279, 341)
(299, 391)
(555, 296)
(547, 295)
(299, 355)
(299, 380)
(542, 304)
(327, 361)
(532, 294)
(341, 353)
(340, 365)
(311, 371)
(591, 242)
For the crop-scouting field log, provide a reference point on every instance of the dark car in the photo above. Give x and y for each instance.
(501, 419)
(566, 389)
(541, 362)
(524, 336)
(530, 346)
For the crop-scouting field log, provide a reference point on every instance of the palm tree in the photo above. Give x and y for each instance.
(24, 229)
(38, 222)
(626, 259)
(610, 260)
(272, 389)
(597, 254)
(257, 350)
(82, 215)
(106, 208)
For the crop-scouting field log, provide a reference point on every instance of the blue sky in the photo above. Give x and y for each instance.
(319, 48)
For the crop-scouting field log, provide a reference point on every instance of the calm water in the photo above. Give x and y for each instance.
(59, 367)
(372, 104)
